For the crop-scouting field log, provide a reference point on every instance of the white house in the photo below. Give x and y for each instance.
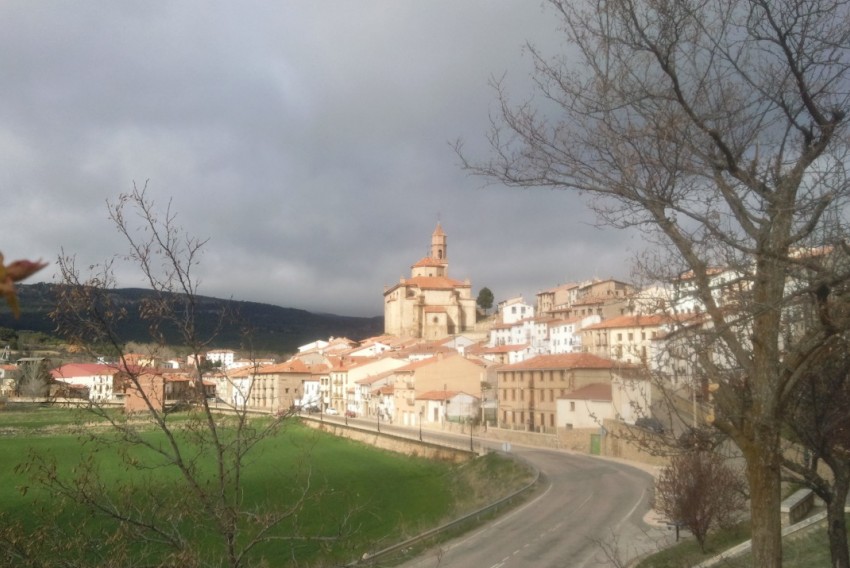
(7, 379)
(514, 310)
(621, 399)
(100, 380)
(565, 334)
(438, 406)
(585, 407)
(223, 357)
(311, 394)
(317, 345)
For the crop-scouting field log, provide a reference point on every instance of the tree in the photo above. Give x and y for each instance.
(485, 299)
(819, 426)
(181, 498)
(720, 130)
(33, 378)
(700, 491)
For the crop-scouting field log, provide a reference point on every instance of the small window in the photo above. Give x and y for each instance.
(572, 406)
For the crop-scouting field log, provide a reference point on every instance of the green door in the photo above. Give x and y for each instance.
(594, 444)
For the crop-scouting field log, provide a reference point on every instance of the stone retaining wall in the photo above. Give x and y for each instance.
(613, 443)
(393, 443)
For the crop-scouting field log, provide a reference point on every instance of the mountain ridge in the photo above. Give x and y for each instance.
(273, 328)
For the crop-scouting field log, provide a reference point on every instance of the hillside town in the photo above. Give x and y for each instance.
(581, 354)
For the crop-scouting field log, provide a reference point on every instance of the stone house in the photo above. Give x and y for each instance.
(528, 391)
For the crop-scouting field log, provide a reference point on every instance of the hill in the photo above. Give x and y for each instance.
(273, 328)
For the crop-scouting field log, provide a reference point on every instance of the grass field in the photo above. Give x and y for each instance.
(370, 498)
(806, 549)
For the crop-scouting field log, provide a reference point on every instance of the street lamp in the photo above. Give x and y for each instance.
(421, 414)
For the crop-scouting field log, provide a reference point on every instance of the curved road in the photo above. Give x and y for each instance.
(586, 504)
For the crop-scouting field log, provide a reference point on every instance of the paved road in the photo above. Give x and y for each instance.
(584, 501)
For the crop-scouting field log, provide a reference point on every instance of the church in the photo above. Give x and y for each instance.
(429, 304)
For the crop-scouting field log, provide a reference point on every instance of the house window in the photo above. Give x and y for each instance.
(572, 406)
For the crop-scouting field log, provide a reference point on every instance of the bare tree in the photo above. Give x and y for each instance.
(819, 423)
(33, 378)
(183, 500)
(700, 491)
(719, 128)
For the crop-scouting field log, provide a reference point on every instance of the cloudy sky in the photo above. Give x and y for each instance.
(309, 140)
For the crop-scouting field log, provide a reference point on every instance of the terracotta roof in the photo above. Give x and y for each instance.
(504, 348)
(653, 320)
(291, 366)
(569, 286)
(373, 378)
(442, 395)
(72, 370)
(426, 348)
(437, 395)
(435, 282)
(564, 361)
(428, 261)
(566, 321)
(595, 391)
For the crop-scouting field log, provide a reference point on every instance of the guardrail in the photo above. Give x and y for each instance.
(370, 559)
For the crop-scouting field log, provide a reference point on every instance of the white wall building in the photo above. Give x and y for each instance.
(514, 310)
(99, 379)
(565, 335)
(222, 357)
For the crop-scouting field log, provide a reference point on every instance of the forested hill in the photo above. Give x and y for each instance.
(273, 328)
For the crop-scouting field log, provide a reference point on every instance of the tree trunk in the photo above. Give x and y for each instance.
(763, 474)
(837, 524)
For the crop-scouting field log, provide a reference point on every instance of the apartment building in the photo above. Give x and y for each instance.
(625, 338)
(528, 391)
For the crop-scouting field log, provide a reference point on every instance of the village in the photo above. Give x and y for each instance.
(583, 355)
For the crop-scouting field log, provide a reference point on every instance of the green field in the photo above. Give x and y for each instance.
(360, 499)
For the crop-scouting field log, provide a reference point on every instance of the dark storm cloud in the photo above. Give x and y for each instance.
(310, 141)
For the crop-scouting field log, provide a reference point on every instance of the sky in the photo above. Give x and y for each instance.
(310, 141)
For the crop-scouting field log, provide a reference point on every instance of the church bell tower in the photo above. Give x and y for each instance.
(438, 245)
